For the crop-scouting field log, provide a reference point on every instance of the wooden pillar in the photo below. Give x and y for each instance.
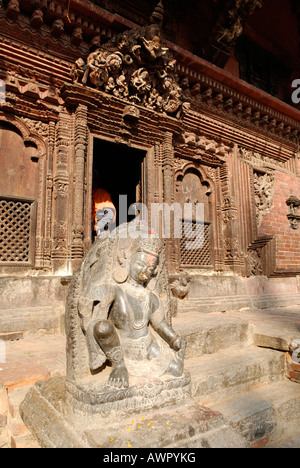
(49, 189)
(169, 194)
(231, 228)
(61, 195)
(80, 146)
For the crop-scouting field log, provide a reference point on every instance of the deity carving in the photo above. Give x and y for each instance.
(264, 186)
(123, 306)
(137, 67)
(293, 204)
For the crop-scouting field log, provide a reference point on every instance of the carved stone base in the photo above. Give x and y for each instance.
(90, 402)
(183, 424)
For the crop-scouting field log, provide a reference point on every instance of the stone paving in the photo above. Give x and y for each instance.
(32, 358)
(28, 360)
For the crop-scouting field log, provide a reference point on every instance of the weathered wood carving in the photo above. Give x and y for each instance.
(137, 67)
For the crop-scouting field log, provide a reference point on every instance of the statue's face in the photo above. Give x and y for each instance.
(142, 267)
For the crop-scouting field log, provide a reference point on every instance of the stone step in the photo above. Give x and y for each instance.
(210, 304)
(215, 377)
(32, 303)
(265, 416)
(208, 334)
(30, 319)
(213, 304)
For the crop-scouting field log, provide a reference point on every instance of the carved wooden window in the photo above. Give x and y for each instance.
(195, 245)
(17, 231)
(195, 248)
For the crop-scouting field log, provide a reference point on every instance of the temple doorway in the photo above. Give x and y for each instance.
(119, 170)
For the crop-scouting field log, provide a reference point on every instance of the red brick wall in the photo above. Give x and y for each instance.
(276, 222)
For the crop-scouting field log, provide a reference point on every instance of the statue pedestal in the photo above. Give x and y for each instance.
(92, 402)
(138, 417)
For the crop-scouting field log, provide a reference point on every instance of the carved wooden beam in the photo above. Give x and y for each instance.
(54, 19)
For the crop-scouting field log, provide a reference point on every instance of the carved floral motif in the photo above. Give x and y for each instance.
(37, 127)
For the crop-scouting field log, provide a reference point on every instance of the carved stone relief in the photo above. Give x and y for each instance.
(100, 366)
(37, 127)
(202, 148)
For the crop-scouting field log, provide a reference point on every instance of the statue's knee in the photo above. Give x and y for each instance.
(103, 329)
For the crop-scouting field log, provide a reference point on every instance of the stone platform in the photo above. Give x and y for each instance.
(182, 425)
(91, 401)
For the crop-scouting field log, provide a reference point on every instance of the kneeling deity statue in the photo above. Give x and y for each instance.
(121, 295)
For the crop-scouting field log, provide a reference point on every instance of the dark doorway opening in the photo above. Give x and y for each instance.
(118, 169)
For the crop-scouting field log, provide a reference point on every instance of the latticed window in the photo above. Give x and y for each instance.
(195, 249)
(17, 231)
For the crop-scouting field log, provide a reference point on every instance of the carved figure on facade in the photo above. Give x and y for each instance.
(263, 190)
(293, 204)
(201, 142)
(13, 9)
(233, 27)
(37, 127)
(180, 287)
(231, 34)
(137, 67)
(255, 261)
(123, 304)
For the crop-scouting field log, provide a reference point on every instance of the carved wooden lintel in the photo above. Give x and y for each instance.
(136, 67)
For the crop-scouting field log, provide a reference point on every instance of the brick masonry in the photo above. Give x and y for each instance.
(276, 222)
(292, 369)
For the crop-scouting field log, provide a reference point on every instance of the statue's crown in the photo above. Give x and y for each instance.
(150, 245)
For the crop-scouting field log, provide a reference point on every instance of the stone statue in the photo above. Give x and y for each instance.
(119, 327)
(124, 360)
(118, 322)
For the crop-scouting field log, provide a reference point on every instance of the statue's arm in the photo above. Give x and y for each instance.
(160, 325)
(96, 305)
(105, 299)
